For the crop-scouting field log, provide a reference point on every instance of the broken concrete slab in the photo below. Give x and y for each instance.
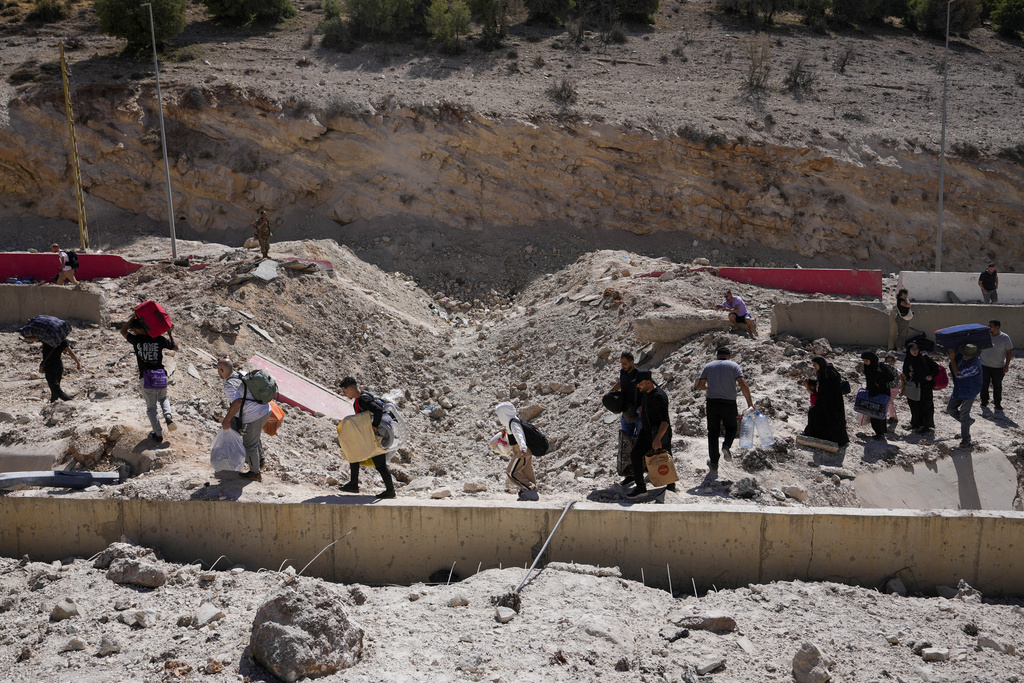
(302, 392)
(28, 457)
(261, 332)
(676, 325)
(58, 478)
(266, 270)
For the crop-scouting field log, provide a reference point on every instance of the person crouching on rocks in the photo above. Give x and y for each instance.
(520, 467)
(149, 354)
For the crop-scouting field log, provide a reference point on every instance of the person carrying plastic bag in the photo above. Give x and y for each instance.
(720, 378)
(227, 451)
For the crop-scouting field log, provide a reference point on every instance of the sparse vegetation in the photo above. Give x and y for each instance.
(538, 62)
(930, 16)
(563, 92)
(800, 76)
(193, 98)
(700, 137)
(759, 53)
(966, 150)
(332, 9)
(380, 19)
(250, 11)
(844, 58)
(1014, 154)
(49, 11)
(547, 11)
(128, 20)
(1008, 17)
(185, 53)
(493, 15)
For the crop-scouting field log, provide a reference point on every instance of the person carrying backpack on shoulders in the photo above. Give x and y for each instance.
(66, 270)
(520, 468)
(149, 354)
(251, 416)
(361, 402)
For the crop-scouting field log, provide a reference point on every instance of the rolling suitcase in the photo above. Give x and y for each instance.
(154, 318)
(958, 335)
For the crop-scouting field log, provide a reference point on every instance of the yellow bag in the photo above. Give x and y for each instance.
(661, 468)
(356, 437)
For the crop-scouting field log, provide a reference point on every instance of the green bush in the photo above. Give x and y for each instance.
(447, 21)
(376, 19)
(127, 19)
(493, 15)
(332, 9)
(548, 10)
(930, 16)
(49, 11)
(763, 9)
(849, 12)
(337, 35)
(812, 12)
(250, 11)
(638, 11)
(1008, 17)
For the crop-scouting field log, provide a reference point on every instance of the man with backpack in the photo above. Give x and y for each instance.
(149, 354)
(68, 264)
(520, 467)
(251, 416)
(655, 430)
(365, 401)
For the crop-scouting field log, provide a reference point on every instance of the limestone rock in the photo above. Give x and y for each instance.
(504, 614)
(797, 492)
(809, 666)
(531, 412)
(746, 487)
(207, 614)
(65, 609)
(996, 642)
(709, 663)
(474, 486)
(441, 493)
(303, 631)
(108, 646)
(142, 618)
(136, 573)
(458, 600)
(73, 645)
(895, 585)
(718, 622)
(935, 654)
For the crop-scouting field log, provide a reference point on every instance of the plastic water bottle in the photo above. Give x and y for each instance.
(747, 431)
(764, 429)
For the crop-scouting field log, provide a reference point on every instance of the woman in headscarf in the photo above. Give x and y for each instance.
(876, 380)
(827, 417)
(520, 467)
(919, 373)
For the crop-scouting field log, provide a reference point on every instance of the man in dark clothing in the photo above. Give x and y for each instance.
(149, 354)
(629, 423)
(361, 401)
(719, 378)
(988, 281)
(655, 430)
(52, 366)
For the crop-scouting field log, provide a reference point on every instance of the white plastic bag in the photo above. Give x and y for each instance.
(499, 444)
(227, 452)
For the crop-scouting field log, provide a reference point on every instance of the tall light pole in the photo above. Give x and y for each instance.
(163, 137)
(942, 144)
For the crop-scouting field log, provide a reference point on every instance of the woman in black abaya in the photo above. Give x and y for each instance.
(827, 417)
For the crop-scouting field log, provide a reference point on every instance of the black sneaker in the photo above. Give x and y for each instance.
(671, 487)
(170, 425)
(251, 476)
(628, 481)
(350, 487)
(384, 495)
(999, 408)
(638, 491)
(159, 438)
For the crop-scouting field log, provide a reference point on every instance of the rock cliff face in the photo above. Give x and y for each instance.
(232, 153)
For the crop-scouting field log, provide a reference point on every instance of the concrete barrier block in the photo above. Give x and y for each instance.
(18, 303)
(29, 457)
(927, 286)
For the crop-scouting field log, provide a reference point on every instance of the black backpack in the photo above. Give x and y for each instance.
(72, 259)
(535, 439)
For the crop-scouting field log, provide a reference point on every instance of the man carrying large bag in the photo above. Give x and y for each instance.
(252, 410)
(53, 334)
(363, 443)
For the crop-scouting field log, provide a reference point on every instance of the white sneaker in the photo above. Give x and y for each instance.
(727, 455)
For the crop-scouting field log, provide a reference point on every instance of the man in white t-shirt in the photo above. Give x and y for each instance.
(995, 362)
(66, 273)
(252, 415)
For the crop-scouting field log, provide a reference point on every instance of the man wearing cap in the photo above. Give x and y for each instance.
(738, 314)
(719, 378)
(655, 430)
(995, 362)
(988, 281)
(965, 366)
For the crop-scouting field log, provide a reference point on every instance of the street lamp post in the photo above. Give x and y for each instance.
(163, 137)
(942, 144)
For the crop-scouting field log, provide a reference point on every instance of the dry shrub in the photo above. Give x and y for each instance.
(759, 53)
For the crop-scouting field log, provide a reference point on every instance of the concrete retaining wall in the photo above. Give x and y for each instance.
(669, 327)
(862, 324)
(406, 542)
(18, 303)
(925, 286)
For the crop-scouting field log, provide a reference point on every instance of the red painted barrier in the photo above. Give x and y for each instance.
(43, 267)
(810, 280)
(296, 390)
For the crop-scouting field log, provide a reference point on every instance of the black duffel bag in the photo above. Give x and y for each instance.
(614, 401)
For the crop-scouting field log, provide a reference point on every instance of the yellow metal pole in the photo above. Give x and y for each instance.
(83, 228)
